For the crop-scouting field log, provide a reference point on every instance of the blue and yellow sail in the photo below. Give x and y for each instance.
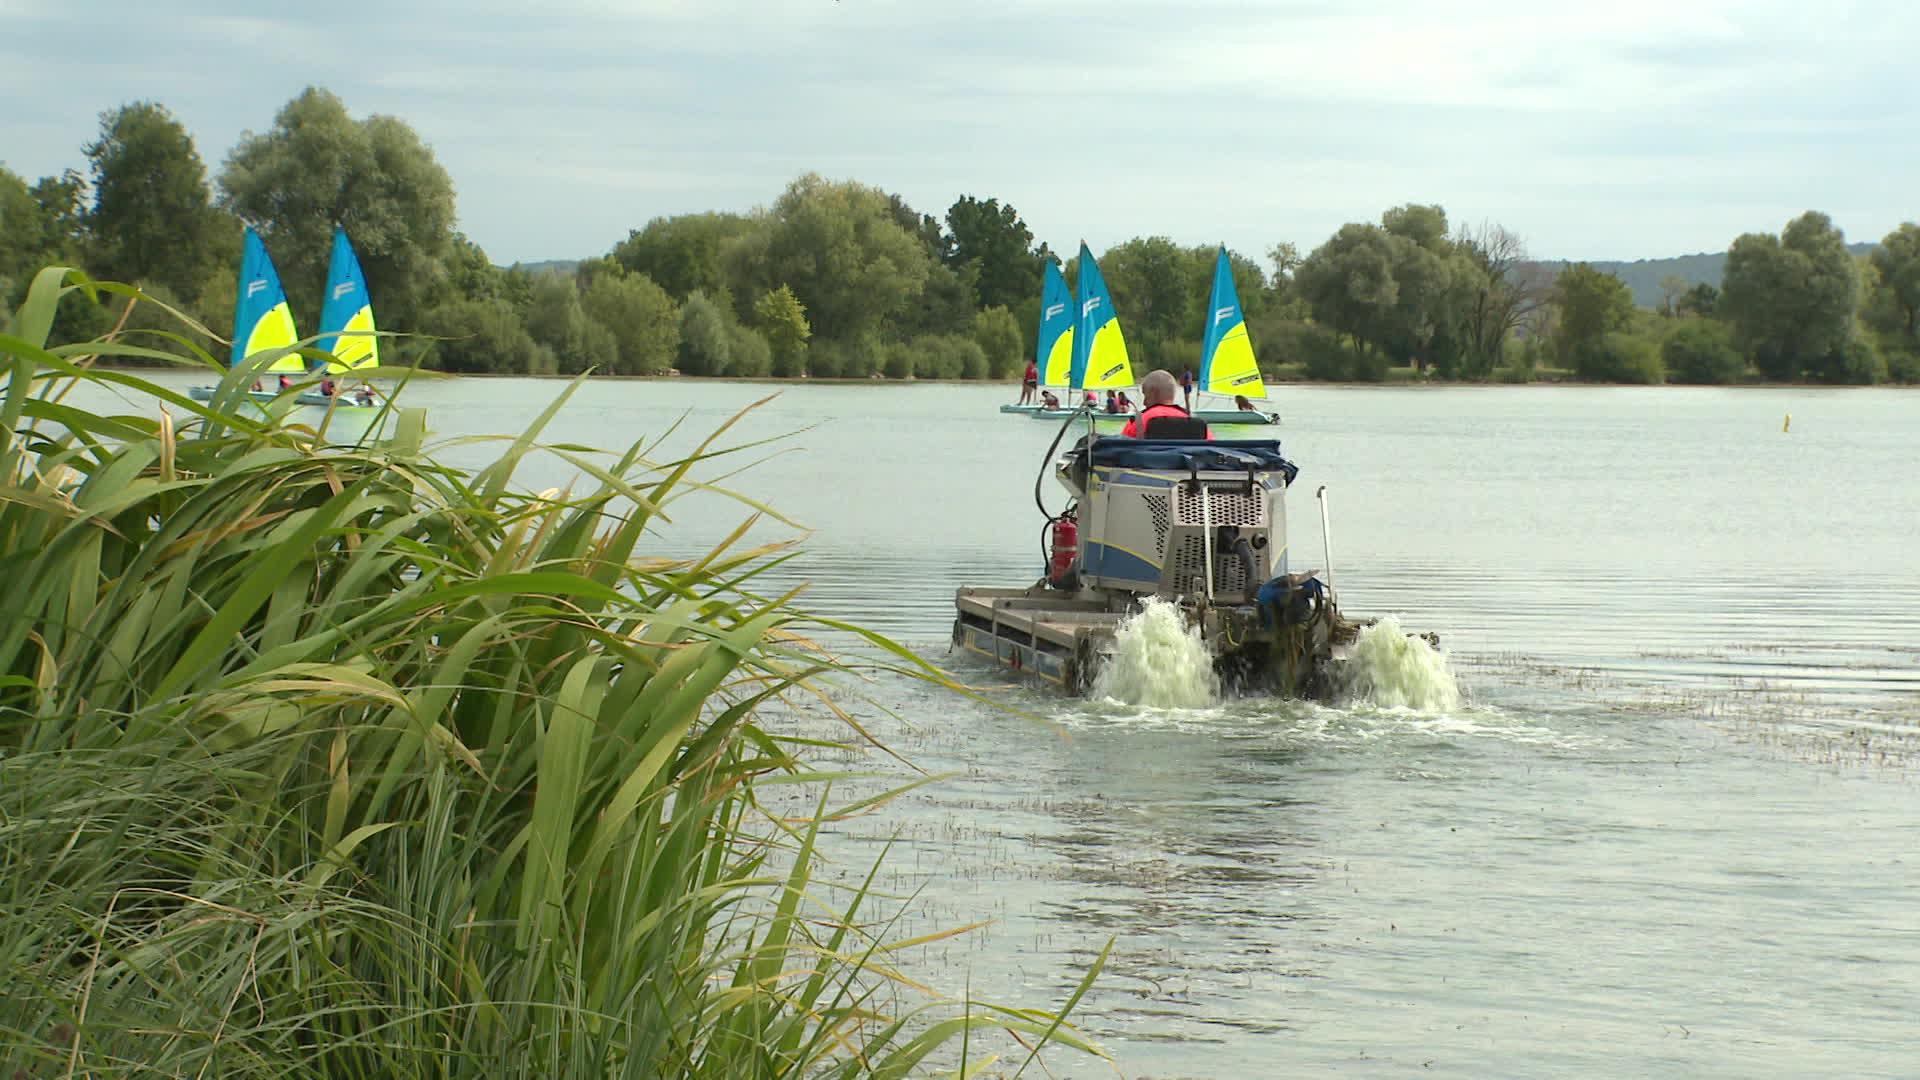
(1227, 364)
(346, 319)
(1053, 349)
(1099, 349)
(262, 321)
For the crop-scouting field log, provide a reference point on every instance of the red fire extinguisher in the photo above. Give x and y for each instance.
(1064, 553)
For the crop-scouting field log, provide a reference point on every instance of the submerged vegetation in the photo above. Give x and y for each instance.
(836, 278)
(334, 760)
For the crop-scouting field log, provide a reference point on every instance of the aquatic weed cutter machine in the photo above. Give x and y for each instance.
(1202, 524)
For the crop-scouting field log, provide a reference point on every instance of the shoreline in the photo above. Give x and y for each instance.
(1388, 384)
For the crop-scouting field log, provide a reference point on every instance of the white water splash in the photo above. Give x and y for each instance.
(1394, 671)
(1159, 661)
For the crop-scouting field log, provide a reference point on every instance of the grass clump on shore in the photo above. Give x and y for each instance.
(337, 761)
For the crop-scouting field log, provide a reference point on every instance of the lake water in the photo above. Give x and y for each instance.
(1673, 830)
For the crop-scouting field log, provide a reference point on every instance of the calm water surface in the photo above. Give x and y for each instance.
(1675, 830)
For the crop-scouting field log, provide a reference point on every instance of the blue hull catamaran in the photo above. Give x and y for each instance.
(346, 318)
(263, 323)
(1053, 345)
(1087, 351)
(1227, 365)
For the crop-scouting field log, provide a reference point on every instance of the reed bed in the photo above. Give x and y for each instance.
(335, 760)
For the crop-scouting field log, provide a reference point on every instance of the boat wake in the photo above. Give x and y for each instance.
(1392, 670)
(1159, 662)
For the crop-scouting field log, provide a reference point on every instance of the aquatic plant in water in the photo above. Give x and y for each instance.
(335, 760)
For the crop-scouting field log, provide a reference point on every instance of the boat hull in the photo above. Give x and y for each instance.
(1060, 641)
(1019, 408)
(305, 397)
(1230, 417)
(1236, 416)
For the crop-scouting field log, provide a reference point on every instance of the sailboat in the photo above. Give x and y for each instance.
(1053, 345)
(1227, 364)
(1099, 349)
(262, 321)
(346, 317)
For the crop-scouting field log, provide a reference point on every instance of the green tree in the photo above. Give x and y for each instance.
(470, 274)
(555, 319)
(1000, 343)
(40, 226)
(63, 215)
(1791, 298)
(1499, 289)
(749, 356)
(1618, 356)
(1703, 300)
(840, 249)
(683, 254)
(23, 247)
(783, 320)
(998, 246)
(1349, 284)
(1399, 290)
(1424, 226)
(1894, 300)
(482, 337)
(317, 168)
(1702, 351)
(644, 320)
(706, 345)
(1592, 304)
(153, 218)
(1672, 288)
(945, 304)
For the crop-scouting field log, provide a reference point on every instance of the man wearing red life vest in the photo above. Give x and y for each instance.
(1157, 392)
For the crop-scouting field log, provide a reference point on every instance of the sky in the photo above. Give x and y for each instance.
(1618, 130)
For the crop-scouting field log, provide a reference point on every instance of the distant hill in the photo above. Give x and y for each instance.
(548, 266)
(1643, 276)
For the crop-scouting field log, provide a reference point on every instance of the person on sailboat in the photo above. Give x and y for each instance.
(1090, 402)
(1240, 402)
(1126, 403)
(1186, 387)
(1029, 383)
(286, 383)
(1113, 403)
(1157, 390)
(1048, 401)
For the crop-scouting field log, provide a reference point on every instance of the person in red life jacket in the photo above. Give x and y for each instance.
(1029, 383)
(1157, 392)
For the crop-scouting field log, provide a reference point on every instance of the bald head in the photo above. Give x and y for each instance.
(1158, 388)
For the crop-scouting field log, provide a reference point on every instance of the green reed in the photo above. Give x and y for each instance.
(335, 760)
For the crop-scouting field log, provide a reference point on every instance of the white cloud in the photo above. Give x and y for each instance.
(1639, 127)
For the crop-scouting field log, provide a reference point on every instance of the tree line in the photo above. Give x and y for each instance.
(841, 279)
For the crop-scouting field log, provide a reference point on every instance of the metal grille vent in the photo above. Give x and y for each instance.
(1190, 562)
(1157, 508)
(1231, 505)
